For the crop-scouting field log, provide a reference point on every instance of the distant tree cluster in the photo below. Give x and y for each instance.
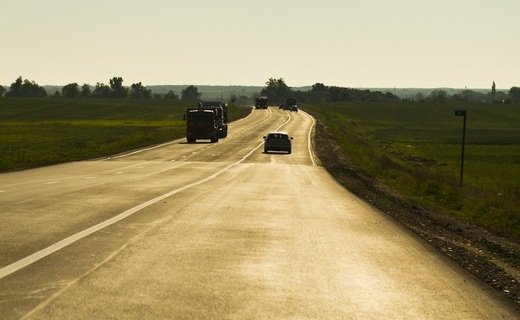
(514, 94)
(442, 96)
(191, 93)
(278, 91)
(115, 89)
(25, 88)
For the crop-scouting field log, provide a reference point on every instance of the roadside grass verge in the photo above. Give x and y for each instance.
(415, 149)
(38, 132)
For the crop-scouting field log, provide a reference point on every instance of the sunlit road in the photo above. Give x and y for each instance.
(217, 231)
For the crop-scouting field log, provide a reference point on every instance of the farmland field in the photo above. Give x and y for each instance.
(415, 148)
(36, 132)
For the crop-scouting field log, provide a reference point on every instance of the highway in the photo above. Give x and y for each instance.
(218, 231)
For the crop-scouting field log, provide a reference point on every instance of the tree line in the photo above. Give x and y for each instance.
(276, 89)
(24, 88)
(278, 92)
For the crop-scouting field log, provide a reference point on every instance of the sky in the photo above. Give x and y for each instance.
(369, 43)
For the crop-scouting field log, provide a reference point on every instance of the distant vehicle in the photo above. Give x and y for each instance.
(294, 108)
(261, 102)
(289, 102)
(201, 124)
(221, 115)
(278, 141)
(281, 106)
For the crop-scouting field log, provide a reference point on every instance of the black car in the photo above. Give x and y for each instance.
(278, 141)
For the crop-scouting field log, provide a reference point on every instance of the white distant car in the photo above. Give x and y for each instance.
(278, 141)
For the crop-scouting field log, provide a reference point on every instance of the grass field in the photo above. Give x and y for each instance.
(415, 148)
(36, 132)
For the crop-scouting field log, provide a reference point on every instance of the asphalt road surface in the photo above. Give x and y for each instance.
(217, 231)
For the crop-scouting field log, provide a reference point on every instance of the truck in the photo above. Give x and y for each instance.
(290, 103)
(201, 124)
(261, 102)
(221, 115)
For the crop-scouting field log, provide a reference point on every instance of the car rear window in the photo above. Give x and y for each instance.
(280, 136)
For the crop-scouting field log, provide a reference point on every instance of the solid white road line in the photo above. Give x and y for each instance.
(22, 263)
(53, 297)
(309, 141)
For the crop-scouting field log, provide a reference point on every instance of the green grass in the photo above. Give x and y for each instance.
(36, 132)
(415, 149)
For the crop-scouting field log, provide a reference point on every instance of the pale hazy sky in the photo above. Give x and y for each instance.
(362, 43)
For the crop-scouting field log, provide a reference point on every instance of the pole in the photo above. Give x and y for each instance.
(462, 113)
(463, 149)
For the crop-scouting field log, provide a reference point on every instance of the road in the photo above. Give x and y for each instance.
(218, 231)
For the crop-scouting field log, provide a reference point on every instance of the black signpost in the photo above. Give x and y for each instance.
(462, 113)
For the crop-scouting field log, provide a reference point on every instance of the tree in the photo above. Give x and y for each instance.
(419, 97)
(70, 90)
(170, 95)
(85, 91)
(26, 88)
(339, 94)
(101, 91)
(276, 90)
(116, 86)
(438, 95)
(190, 93)
(138, 91)
(469, 95)
(15, 90)
(514, 94)
(319, 92)
(2, 91)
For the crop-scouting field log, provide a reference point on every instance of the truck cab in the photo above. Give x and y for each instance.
(201, 124)
(221, 115)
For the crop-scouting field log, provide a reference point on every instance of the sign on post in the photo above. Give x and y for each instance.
(462, 113)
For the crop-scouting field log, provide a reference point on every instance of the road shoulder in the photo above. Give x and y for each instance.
(491, 258)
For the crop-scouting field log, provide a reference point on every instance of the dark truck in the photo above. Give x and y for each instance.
(221, 115)
(261, 102)
(201, 124)
(289, 104)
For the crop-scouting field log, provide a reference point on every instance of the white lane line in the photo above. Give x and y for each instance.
(22, 263)
(155, 225)
(50, 182)
(1, 191)
(309, 141)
